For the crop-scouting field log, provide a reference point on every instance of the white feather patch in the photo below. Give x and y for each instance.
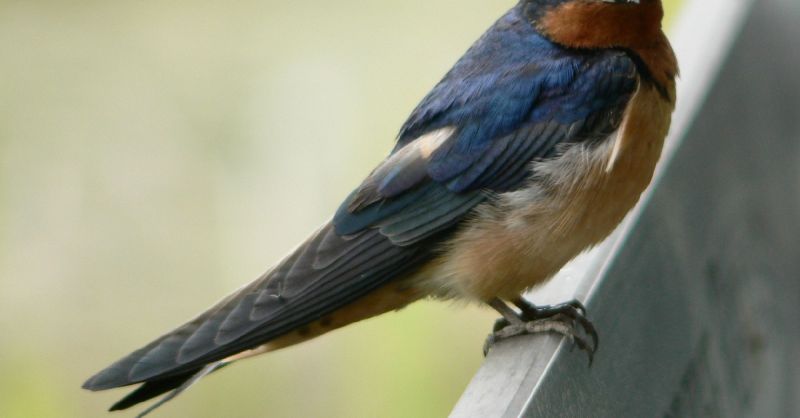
(430, 142)
(620, 140)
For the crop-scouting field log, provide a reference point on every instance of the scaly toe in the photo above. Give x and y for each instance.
(574, 310)
(563, 325)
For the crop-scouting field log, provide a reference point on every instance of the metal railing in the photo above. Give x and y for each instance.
(697, 295)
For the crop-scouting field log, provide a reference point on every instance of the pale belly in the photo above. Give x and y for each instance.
(572, 203)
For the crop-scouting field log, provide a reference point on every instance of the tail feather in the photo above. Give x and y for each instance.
(176, 384)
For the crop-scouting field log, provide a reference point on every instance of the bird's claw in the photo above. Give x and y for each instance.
(563, 319)
(573, 310)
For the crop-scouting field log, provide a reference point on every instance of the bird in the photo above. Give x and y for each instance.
(530, 150)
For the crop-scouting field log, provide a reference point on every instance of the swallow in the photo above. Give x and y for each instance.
(530, 150)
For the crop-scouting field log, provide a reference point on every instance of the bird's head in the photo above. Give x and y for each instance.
(596, 23)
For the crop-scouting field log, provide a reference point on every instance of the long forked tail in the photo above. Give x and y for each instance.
(175, 385)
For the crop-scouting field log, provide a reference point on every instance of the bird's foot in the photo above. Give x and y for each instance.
(568, 319)
(573, 310)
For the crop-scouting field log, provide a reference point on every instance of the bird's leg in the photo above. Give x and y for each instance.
(532, 319)
(510, 317)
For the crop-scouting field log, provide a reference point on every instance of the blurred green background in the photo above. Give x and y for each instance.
(154, 156)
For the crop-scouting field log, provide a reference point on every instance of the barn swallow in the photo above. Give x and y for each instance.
(530, 150)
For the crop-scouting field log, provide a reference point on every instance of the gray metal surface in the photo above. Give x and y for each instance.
(697, 296)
